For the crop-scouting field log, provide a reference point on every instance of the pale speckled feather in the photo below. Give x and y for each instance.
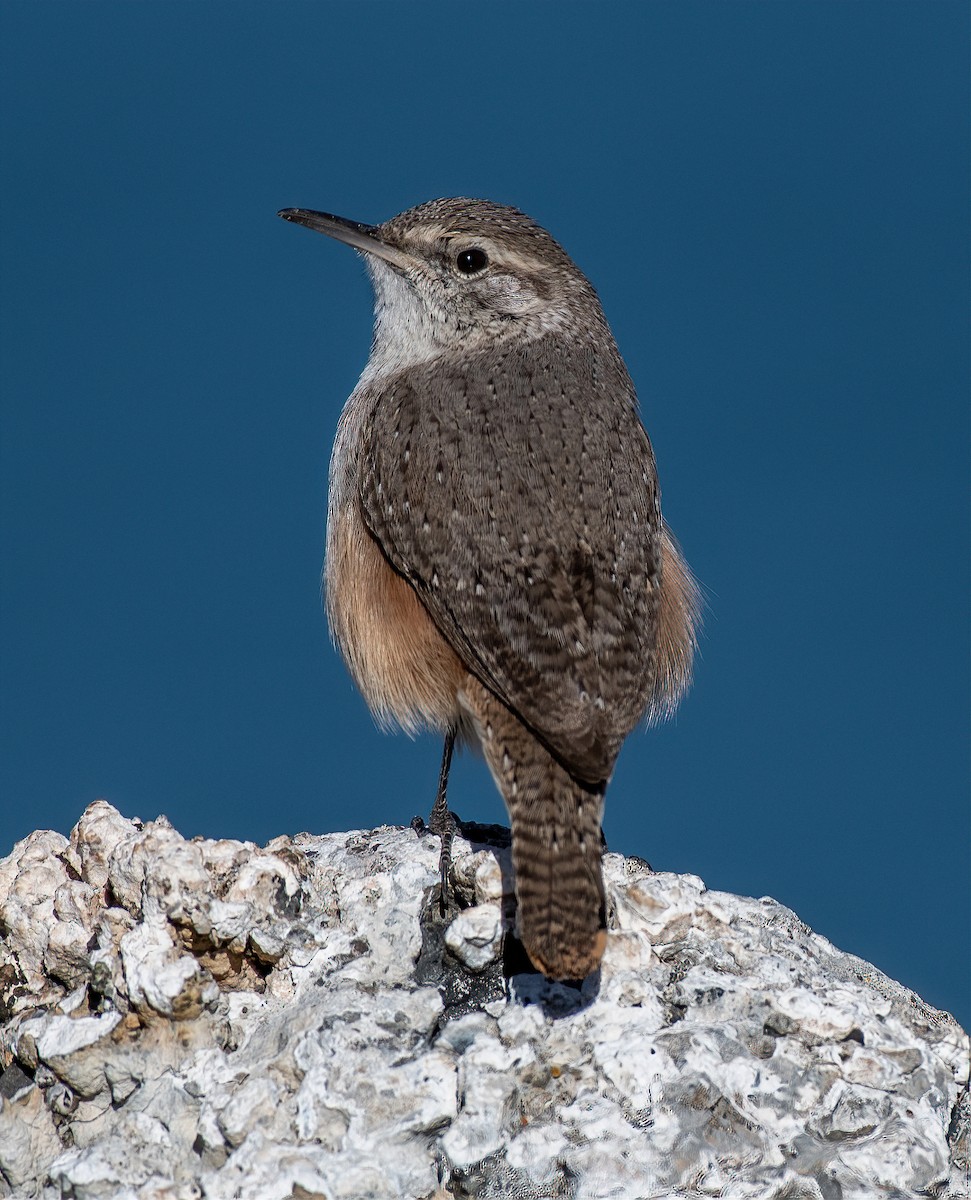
(678, 618)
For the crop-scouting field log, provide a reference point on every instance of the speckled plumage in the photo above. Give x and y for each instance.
(515, 490)
(491, 463)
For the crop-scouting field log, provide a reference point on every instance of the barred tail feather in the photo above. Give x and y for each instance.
(556, 842)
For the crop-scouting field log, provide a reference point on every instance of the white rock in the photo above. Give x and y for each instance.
(60, 1037)
(475, 936)
(157, 976)
(27, 1137)
(254, 1103)
(213, 1018)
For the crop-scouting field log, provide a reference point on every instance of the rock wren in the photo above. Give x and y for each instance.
(497, 566)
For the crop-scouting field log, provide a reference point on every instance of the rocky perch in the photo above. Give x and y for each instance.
(211, 1019)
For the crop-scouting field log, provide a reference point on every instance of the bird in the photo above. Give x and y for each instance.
(497, 567)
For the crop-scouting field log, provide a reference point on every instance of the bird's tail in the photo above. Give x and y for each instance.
(556, 843)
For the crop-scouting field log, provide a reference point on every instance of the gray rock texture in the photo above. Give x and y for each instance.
(181, 1019)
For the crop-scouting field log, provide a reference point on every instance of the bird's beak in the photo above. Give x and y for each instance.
(362, 237)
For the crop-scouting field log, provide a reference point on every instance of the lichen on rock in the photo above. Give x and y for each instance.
(181, 1018)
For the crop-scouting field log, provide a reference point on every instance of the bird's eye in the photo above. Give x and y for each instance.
(472, 261)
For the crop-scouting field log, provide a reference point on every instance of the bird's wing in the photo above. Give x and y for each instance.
(517, 494)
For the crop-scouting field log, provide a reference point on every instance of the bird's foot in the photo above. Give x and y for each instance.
(442, 824)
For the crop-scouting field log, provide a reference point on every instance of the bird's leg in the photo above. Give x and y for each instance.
(442, 821)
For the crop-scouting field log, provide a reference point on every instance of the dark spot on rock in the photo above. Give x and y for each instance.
(14, 1082)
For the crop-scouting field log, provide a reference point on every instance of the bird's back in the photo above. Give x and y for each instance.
(516, 491)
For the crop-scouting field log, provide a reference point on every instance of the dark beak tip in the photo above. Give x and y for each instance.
(365, 238)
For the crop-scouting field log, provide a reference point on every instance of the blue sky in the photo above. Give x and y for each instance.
(771, 199)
